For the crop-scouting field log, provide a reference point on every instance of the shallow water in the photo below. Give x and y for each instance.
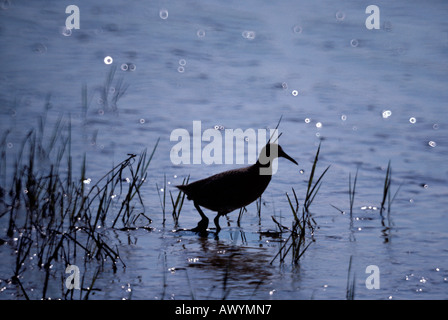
(369, 96)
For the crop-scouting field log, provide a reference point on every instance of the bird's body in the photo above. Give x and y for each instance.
(228, 190)
(233, 189)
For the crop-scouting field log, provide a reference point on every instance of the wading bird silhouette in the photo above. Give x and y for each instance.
(233, 189)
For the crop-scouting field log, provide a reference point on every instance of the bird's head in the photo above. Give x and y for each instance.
(269, 153)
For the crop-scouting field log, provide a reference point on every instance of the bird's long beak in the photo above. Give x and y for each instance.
(284, 155)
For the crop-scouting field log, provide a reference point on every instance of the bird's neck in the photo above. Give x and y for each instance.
(263, 169)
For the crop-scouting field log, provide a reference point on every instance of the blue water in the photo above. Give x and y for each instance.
(368, 96)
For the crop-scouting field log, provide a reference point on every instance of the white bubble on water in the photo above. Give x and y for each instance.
(181, 69)
(340, 16)
(142, 121)
(319, 125)
(132, 67)
(343, 117)
(412, 120)
(284, 85)
(295, 93)
(247, 34)
(124, 67)
(108, 60)
(163, 14)
(307, 120)
(182, 62)
(66, 32)
(432, 144)
(435, 126)
(200, 33)
(354, 43)
(387, 114)
(297, 29)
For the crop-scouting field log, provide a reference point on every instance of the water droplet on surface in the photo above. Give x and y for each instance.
(66, 32)
(435, 126)
(163, 14)
(295, 93)
(412, 120)
(297, 29)
(284, 85)
(302, 171)
(432, 144)
(340, 16)
(307, 120)
(142, 121)
(343, 117)
(10, 145)
(132, 67)
(200, 33)
(387, 114)
(108, 60)
(272, 292)
(319, 125)
(354, 43)
(247, 34)
(124, 67)
(182, 62)
(181, 69)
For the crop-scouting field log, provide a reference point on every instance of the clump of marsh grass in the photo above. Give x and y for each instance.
(55, 216)
(386, 200)
(297, 242)
(176, 204)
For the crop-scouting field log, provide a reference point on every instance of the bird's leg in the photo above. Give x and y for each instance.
(203, 224)
(216, 220)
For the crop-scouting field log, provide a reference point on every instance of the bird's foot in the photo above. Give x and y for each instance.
(201, 227)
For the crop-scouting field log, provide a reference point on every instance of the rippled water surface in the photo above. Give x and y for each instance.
(368, 96)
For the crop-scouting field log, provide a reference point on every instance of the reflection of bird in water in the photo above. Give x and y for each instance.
(236, 263)
(233, 189)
